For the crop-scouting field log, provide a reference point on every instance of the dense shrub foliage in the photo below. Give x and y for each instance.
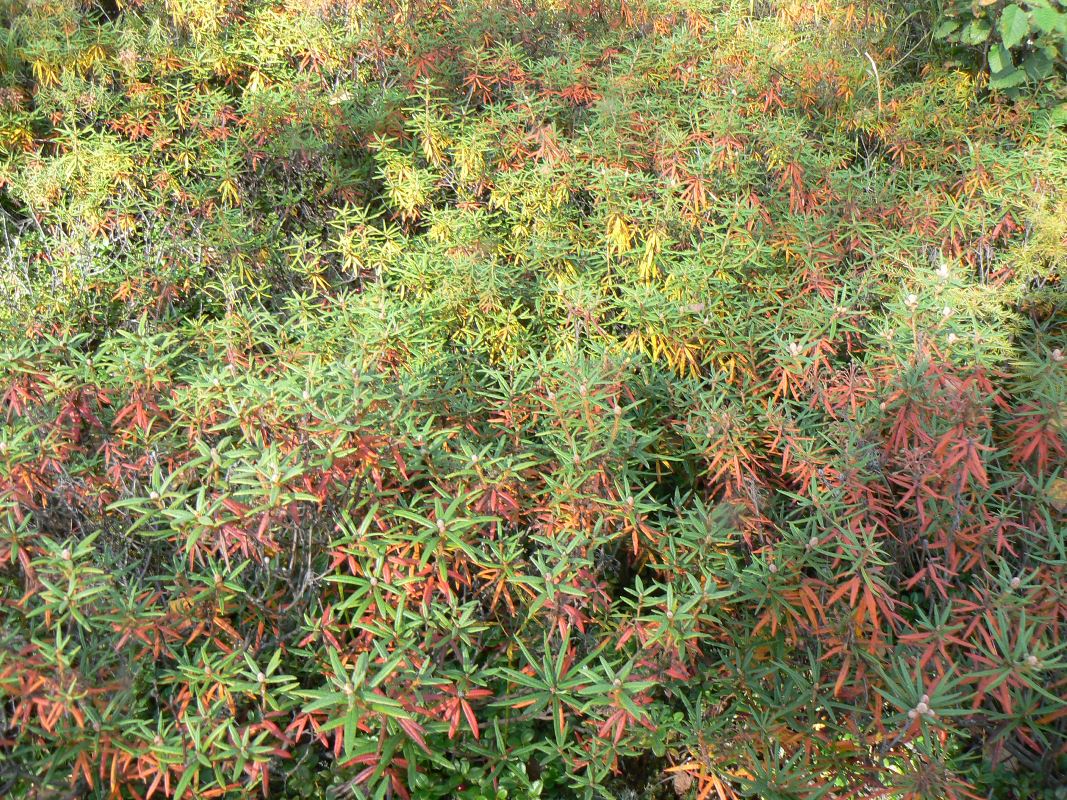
(1019, 42)
(503, 399)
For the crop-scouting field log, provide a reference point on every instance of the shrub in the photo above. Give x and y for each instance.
(496, 400)
(1019, 42)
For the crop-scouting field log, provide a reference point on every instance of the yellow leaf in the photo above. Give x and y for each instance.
(44, 73)
(228, 190)
(1057, 494)
(620, 234)
(255, 81)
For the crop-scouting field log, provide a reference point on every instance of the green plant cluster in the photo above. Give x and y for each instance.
(496, 399)
(1020, 42)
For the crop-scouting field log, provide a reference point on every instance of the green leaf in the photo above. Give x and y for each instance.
(185, 781)
(976, 32)
(946, 29)
(1048, 19)
(1014, 25)
(999, 59)
(1006, 80)
(1038, 65)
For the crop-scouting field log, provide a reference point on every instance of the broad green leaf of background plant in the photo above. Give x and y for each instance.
(1014, 25)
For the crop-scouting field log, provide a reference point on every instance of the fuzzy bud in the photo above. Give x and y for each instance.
(683, 781)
